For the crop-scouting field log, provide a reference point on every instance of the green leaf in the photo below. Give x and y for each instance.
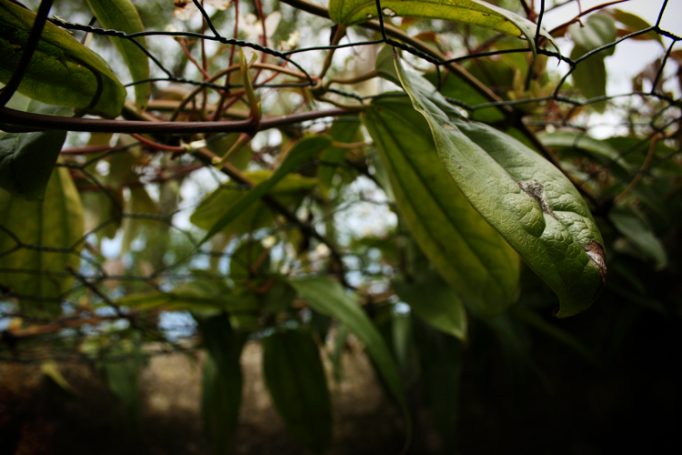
(39, 243)
(634, 23)
(121, 15)
(155, 13)
(63, 71)
(529, 201)
(303, 153)
(327, 297)
(221, 392)
(121, 368)
(247, 260)
(344, 130)
(475, 12)
(295, 377)
(640, 235)
(601, 150)
(596, 31)
(465, 250)
(589, 76)
(288, 192)
(436, 304)
(457, 88)
(27, 160)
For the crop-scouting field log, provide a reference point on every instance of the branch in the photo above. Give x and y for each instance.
(28, 121)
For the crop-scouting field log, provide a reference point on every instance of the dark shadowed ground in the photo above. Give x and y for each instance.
(629, 402)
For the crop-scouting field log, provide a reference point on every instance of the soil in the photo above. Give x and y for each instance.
(39, 417)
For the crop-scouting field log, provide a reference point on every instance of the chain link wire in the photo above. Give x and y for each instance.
(162, 250)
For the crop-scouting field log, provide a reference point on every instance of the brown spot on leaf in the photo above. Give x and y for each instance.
(535, 190)
(596, 254)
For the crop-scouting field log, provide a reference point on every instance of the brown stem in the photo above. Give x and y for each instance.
(35, 122)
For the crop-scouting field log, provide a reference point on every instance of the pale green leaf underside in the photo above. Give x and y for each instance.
(475, 12)
(530, 202)
(62, 72)
(465, 250)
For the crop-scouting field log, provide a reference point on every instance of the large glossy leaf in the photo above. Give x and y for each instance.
(529, 201)
(39, 244)
(327, 297)
(475, 12)
(295, 377)
(302, 153)
(63, 71)
(221, 393)
(27, 161)
(123, 16)
(437, 305)
(466, 251)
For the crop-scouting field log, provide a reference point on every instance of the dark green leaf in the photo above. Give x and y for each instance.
(121, 368)
(530, 202)
(63, 71)
(435, 303)
(589, 75)
(440, 359)
(295, 377)
(27, 160)
(343, 130)
(326, 296)
(222, 381)
(639, 234)
(601, 150)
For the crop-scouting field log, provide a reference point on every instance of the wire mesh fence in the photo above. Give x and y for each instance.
(137, 259)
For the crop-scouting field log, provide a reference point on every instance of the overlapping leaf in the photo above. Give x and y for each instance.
(523, 196)
(465, 250)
